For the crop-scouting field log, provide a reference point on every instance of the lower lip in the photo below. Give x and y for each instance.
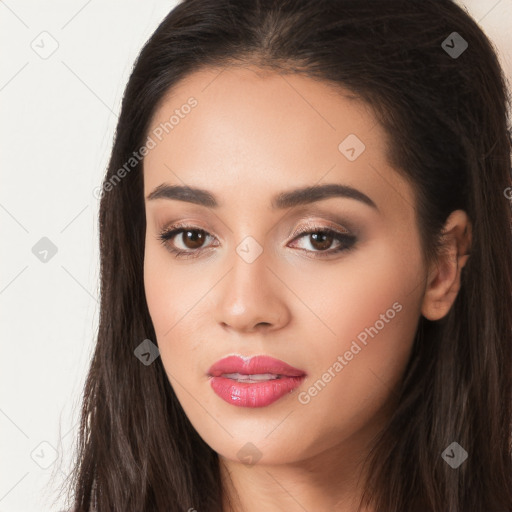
(255, 394)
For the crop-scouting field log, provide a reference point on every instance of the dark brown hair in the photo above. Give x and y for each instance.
(446, 119)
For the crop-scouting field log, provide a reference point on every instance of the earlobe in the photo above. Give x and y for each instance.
(443, 281)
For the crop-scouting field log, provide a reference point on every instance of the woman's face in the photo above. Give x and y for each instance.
(343, 310)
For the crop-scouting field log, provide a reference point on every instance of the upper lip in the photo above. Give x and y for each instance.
(253, 366)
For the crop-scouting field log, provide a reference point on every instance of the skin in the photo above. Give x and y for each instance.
(252, 135)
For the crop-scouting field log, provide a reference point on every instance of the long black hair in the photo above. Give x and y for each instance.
(444, 108)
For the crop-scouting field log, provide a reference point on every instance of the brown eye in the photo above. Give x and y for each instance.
(321, 241)
(193, 238)
(189, 244)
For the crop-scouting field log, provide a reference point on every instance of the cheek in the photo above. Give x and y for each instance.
(377, 286)
(372, 310)
(173, 292)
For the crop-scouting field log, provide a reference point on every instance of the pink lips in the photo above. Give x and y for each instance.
(254, 365)
(253, 394)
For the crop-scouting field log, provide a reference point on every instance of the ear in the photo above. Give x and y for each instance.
(443, 280)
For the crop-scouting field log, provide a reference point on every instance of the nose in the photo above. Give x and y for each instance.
(251, 298)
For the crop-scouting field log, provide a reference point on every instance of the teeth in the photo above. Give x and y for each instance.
(250, 378)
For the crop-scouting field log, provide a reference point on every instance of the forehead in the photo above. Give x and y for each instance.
(251, 132)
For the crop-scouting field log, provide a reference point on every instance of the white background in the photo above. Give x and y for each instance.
(58, 117)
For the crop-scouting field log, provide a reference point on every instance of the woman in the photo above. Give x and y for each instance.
(305, 266)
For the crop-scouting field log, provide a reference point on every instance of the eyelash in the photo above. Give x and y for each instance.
(346, 241)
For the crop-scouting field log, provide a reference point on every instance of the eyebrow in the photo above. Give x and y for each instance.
(287, 199)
